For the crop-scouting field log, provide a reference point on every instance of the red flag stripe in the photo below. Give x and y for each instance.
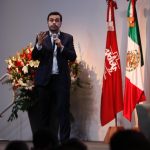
(133, 96)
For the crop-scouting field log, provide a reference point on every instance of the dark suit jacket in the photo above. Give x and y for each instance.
(45, 56)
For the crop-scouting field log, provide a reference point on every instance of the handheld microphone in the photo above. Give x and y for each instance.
(55, 36)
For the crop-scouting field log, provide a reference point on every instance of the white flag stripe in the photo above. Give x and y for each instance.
(131, 75)
(136, 81)
(132, 45)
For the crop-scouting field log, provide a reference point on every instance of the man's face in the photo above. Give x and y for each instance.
(54, 23)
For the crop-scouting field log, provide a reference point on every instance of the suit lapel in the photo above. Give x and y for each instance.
(61, 36)
(48, 41)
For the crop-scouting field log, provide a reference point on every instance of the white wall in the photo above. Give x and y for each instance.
(86, 21)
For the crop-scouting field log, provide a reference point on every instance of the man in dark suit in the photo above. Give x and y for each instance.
(54, 49)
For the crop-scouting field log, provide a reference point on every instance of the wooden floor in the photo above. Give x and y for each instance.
(97, 146)
(90, 145)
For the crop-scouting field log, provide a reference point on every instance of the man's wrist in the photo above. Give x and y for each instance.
(38, 46)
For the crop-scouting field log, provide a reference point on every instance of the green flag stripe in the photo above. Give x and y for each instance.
(128, 11)
(134, 34)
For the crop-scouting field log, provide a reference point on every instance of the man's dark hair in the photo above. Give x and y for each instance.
(72, 144)
(54, 13)
(17, 145)
(129, 140)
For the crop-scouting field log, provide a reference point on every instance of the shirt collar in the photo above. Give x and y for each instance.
(50, 33)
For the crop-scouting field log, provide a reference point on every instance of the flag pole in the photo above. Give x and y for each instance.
(116, 121)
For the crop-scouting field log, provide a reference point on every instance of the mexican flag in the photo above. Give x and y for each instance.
(112, 97)
(134, 91)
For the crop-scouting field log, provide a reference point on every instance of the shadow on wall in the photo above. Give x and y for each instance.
(123, 47)
(83, 103)
(84, 109)
(147, 60)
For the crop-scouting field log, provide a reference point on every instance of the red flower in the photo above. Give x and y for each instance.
(19, 64)
(23, 56)
(29, 56)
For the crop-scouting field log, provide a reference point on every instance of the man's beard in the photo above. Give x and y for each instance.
(54, 29)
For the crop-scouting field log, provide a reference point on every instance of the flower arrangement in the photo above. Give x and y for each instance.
(21, 70)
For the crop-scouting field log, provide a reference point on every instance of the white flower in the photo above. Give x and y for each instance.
(27, 51)
(29, 85)
(10, 63)
(21, 82)
(34, 64)
(31, 63)
(13, 58)
(25, 69)
(17, 70)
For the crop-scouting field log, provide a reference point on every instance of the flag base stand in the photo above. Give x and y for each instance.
(110, 132)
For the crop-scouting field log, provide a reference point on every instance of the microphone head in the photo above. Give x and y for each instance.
(55, 36)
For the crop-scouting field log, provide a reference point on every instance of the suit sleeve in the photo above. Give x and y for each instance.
(69, 51)
(42, 53)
